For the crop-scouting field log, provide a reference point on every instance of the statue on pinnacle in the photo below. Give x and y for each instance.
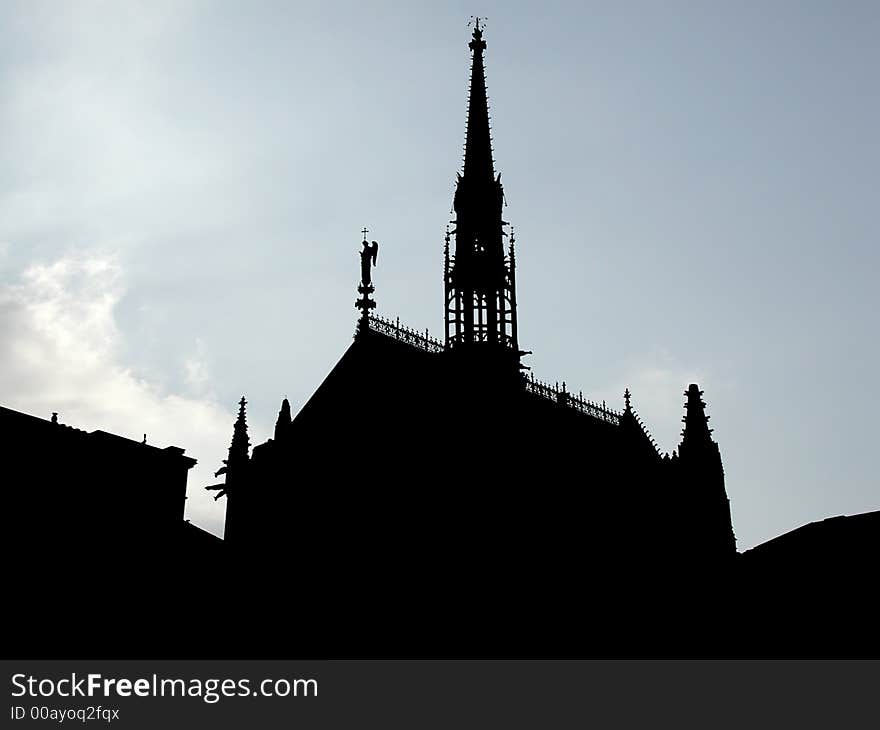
(369, 252)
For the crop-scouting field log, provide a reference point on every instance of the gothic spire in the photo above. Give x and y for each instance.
(240, 445)
(480, 282)
(696, 422)
(235, 464)
(478, 139)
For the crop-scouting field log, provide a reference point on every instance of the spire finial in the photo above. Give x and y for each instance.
(477, 41)
(626, 397)
(478, 141)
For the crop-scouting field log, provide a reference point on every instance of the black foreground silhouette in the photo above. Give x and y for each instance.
(430, 499)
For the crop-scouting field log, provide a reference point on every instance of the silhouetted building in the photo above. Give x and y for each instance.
(812, 591)
(431, 498)
(433, 472)
(97, 544)
(90, 485)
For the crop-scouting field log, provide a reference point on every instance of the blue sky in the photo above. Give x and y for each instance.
(694, 188)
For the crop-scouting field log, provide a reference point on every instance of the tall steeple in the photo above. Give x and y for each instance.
(479, 279)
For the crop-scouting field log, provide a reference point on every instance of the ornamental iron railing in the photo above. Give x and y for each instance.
(562, 396)
(409, 336)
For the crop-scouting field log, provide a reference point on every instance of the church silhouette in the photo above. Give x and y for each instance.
(432, 498)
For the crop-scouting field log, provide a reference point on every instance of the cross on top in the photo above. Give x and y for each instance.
(365, 232)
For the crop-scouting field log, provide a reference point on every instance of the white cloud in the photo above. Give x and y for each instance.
(62, 353)
(197, 371)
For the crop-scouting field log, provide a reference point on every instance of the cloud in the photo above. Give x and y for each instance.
(197, 371)
(62, 352)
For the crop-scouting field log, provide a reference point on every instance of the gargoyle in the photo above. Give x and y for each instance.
(219, 488)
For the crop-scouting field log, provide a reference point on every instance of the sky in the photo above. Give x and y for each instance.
(694, 189)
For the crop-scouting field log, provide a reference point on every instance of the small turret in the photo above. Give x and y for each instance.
(284, 420)
(708, 531)
(696, 422)
(238, 449)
